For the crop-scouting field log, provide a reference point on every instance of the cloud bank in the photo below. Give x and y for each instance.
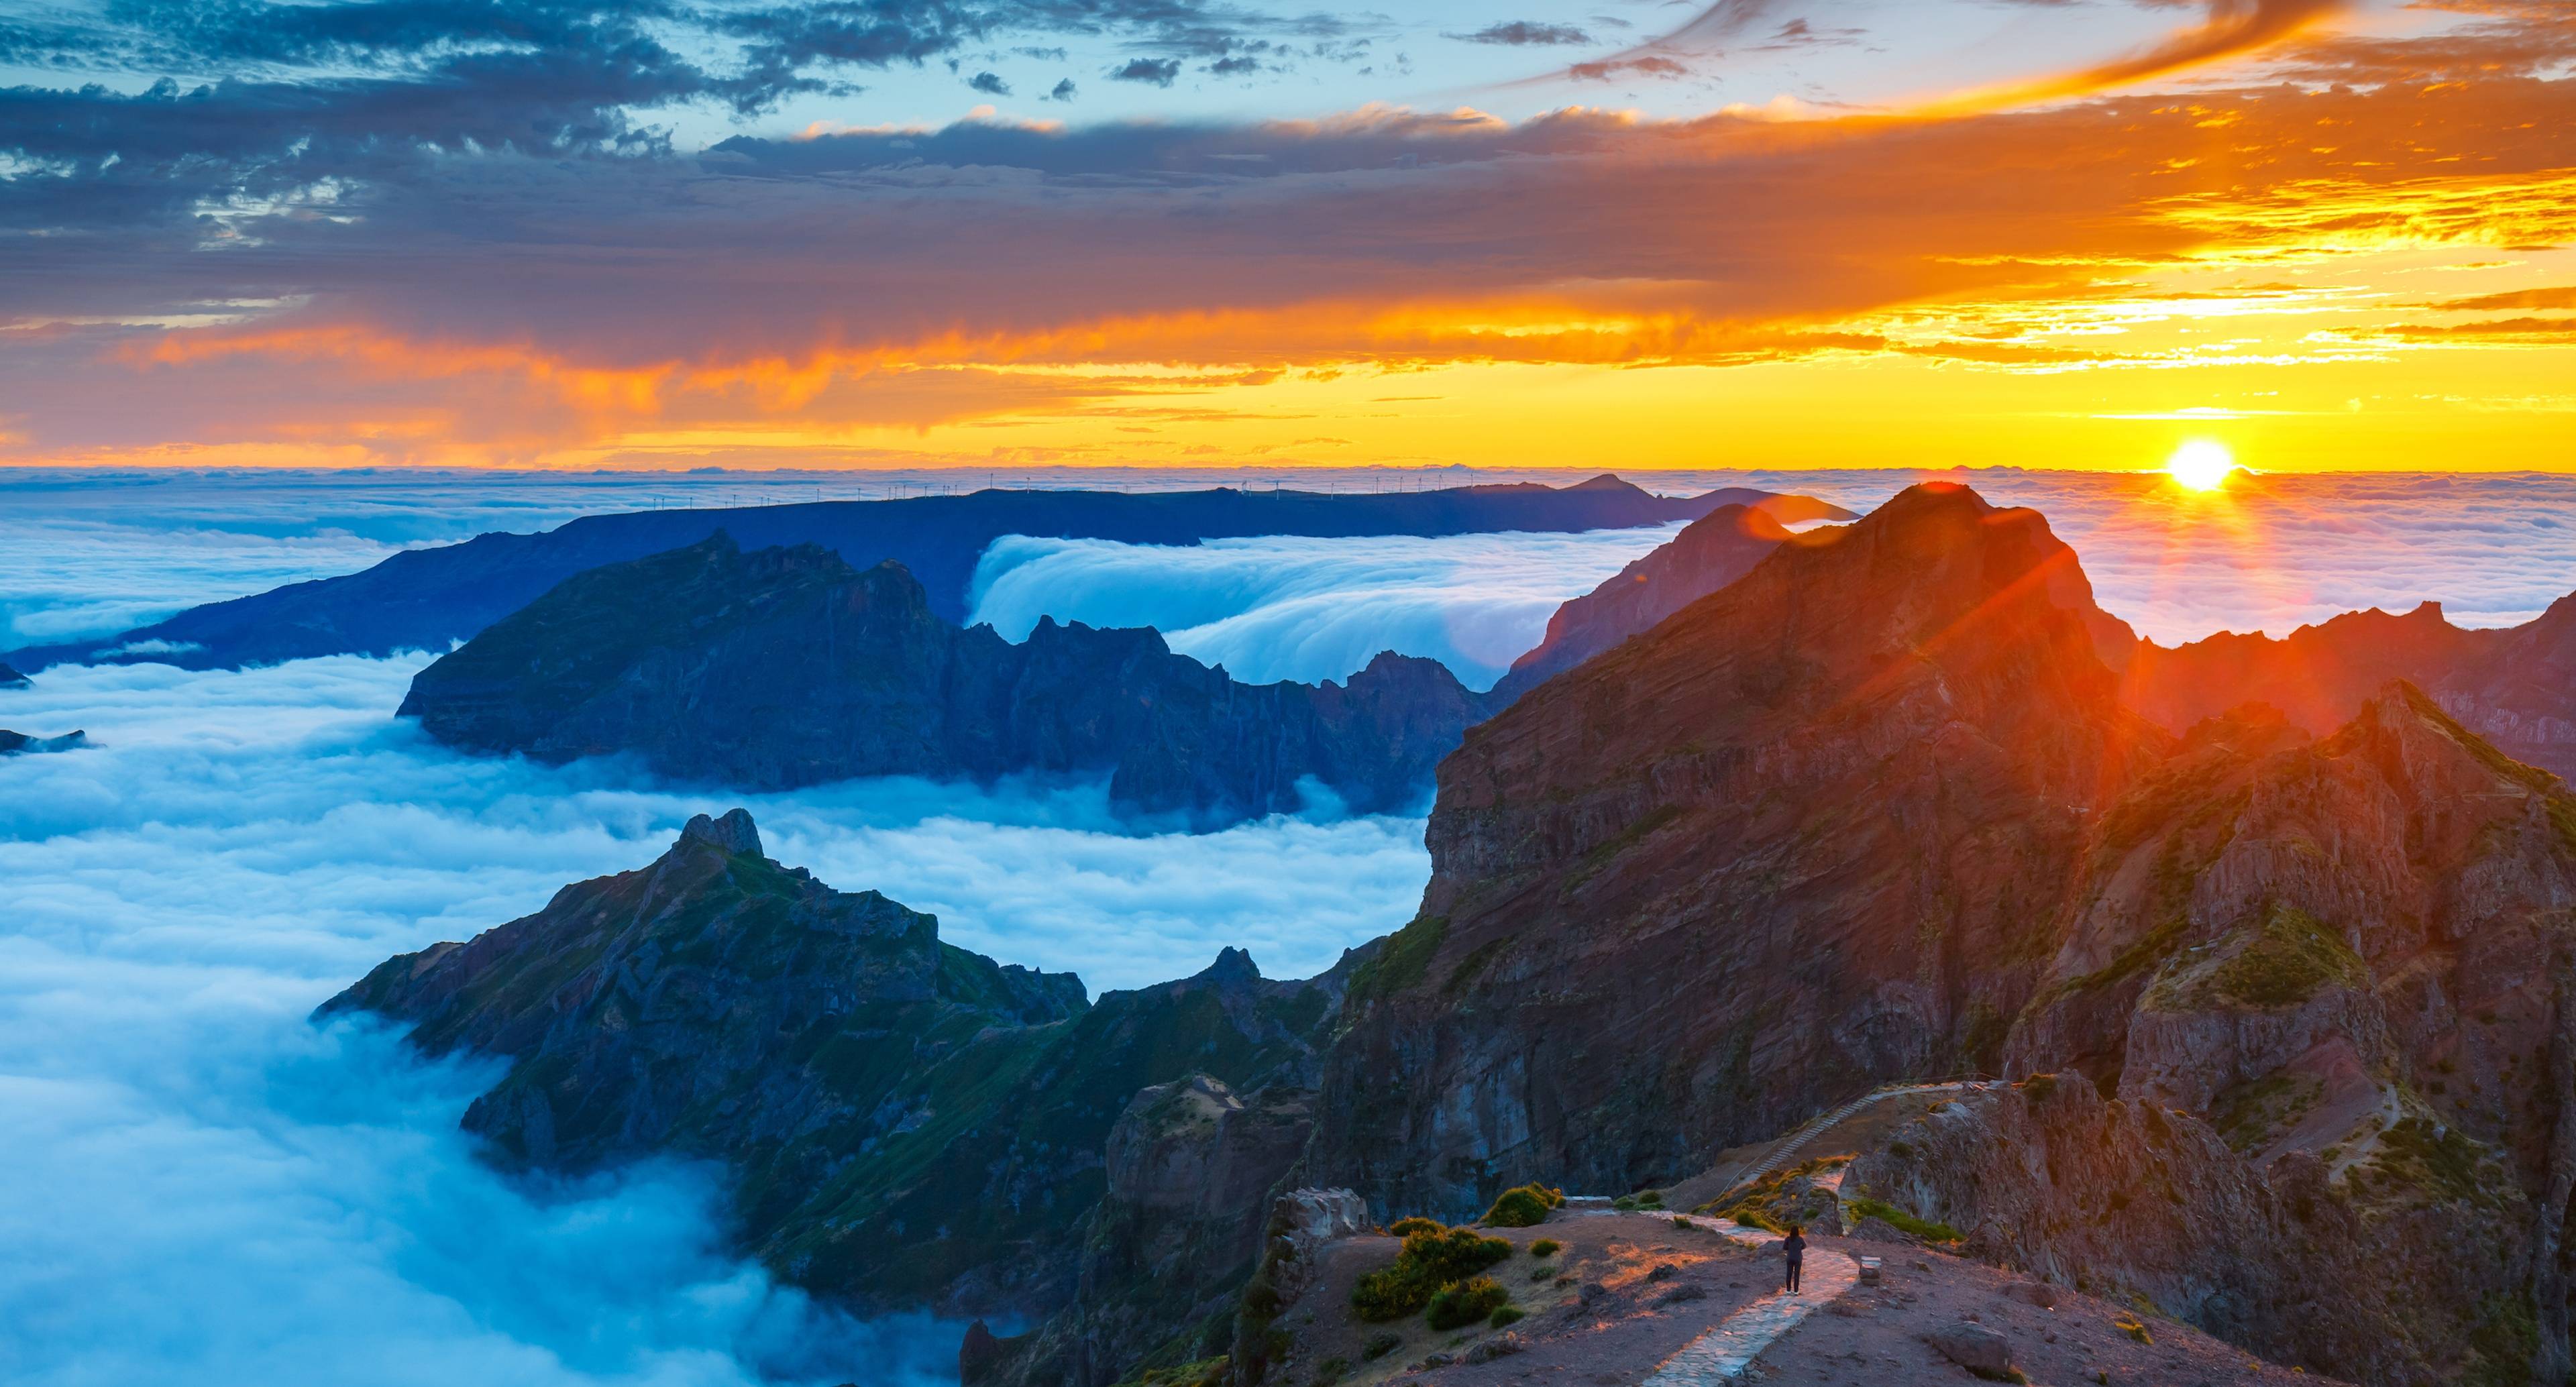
(205, 1188)
(1311, 609)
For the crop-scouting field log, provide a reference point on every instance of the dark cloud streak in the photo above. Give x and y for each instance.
(1524, 33)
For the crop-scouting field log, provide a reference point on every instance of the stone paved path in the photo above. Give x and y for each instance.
(1723, 1353)
(1728, 1348)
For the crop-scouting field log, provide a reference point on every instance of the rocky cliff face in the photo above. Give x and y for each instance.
(1708, 554)
(908, 1123)
(2384, 1279)
(2349, 958)
(2516, 687)
(1806, 834)
(1191, 1166)
(1877, 810)
(785, 667)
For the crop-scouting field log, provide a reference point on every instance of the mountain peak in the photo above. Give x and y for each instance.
(1607, 481)
(735, 832)
(1232, 965)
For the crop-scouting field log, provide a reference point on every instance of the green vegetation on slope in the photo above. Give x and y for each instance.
(1430, 1263)
(1523, 1206)
(2290, 957)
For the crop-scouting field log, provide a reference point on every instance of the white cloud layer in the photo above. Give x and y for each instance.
(1311, 609)
(196, 1185)
(90, 553)
(66, 580)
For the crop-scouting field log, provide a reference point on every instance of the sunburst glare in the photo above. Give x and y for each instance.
(2201, 464)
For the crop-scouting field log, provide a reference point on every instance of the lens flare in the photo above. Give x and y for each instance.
(2201, 465)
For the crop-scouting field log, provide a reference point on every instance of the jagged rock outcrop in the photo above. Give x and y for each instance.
(2514, 687)
(908, 1123)
(978, 1354)
(2349, 957)
(786, 667)
(1708, 554)
(1806, 834)
(429, 599)
(14, 742)
(1176, 1234)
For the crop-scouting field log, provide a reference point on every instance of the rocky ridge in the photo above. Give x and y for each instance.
(1877, 811)
(12, 743)
(780, 668)
(1803, 835)
(908, 1123)
(1708, 554)
(2515, 687)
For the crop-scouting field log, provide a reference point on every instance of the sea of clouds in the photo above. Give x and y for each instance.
(1311, 609)
(197, 1184)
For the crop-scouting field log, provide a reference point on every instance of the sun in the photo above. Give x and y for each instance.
(2201, 465)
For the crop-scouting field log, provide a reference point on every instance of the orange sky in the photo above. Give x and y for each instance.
(2332, 238)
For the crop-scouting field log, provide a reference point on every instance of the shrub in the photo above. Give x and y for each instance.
(1546, 1247)
(1624, 1203)
(1407, 1227)
(2134, 1327)
(1542, 1273)
(1331, 1370)
(1463, 1303)
(1508, 1314)
(1904, 1222)
(1650, 1199)
(1749, 1215)
(1430, 1262)
(1380, 1345)
(1523, 1206)
(1683, 1221)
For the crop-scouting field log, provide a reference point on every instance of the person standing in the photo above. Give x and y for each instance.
(1794, 1247)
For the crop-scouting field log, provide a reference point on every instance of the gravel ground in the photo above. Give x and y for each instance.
(1872, 1337)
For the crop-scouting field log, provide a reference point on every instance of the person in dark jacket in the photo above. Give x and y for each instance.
(1794, 1247)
